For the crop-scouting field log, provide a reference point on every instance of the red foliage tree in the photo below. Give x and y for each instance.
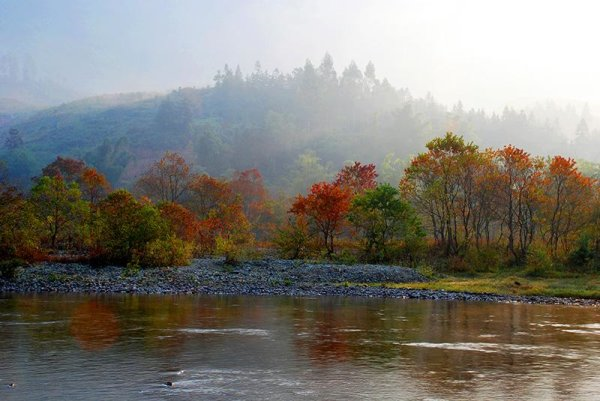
(249, 185)
(219, 211)
(326, 207)
(357, 177)
(68, 169)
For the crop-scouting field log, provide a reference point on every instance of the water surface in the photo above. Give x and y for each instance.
(278, 348)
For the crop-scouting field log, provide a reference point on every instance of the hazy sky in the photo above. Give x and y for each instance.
(485, 53)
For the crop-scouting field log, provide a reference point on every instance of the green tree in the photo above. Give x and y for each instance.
(19, 230)
(381, 217)
(62, 213)
(125, 226)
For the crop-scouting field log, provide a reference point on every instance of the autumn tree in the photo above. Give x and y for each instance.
(357, 177)
(182, 222)
(166, 180)
(441, 183)
(566, 205)
(249, 185)
(94, 185)
(206, 193)
(91, 182)
(220, 213)
(520, 196)
(325, 206)
(233, 235)
(70, 170)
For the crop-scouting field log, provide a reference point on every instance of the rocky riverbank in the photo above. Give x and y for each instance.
(265, 277)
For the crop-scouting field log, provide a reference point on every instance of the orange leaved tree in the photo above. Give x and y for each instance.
(326, 207)
(94, 185)
(166, 180)
(249, 185)
(567, 202)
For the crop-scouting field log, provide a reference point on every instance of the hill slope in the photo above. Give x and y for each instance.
(266, 120)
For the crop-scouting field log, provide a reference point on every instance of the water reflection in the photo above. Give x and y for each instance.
(105, 347)
(94, 326)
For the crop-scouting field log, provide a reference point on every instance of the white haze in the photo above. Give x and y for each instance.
(485, 54)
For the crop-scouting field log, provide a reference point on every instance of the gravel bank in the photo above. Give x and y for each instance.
(265, 277)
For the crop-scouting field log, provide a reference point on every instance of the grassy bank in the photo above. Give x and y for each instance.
(510, 283)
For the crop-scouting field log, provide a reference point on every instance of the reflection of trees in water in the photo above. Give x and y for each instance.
(333, 330)
(355, 332)
(374, 332)
(94, 326)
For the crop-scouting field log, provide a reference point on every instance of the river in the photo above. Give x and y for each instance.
(76, 347)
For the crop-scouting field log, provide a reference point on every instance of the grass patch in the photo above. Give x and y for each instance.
(586, 286)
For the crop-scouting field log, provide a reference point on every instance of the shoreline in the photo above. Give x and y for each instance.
(269, 277)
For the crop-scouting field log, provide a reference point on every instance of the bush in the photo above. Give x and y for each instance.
(539, 262)
(425, 270)
(8, 268)
(233, 250)
(346, 257)
(293, 240)
(582, 257)
(484, 259)
(171, 251)
(457, 264)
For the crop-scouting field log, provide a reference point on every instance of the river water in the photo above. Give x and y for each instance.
(71, 347)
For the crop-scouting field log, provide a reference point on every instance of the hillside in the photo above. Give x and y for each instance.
(290, 126)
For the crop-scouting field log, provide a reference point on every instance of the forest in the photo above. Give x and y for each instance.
(456, 208)
(295, 128)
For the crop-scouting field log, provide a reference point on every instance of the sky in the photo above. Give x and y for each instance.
(487, 54)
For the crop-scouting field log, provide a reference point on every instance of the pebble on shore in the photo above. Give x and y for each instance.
(263, 277)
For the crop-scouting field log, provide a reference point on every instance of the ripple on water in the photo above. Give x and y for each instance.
(237, 331)
(490, 347)
(32, 323)
(231, 383)
(579, 331)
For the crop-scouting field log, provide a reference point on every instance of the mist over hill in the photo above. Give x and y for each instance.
(295, 127)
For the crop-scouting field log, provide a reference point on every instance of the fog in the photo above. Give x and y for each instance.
(485, 54)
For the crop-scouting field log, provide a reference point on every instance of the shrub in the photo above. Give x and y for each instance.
(425, 270)
(233, 249)
(170, 251)
(8, 268)
(539, 262)
(484, 259)
(457, 264)
(346, 257)
(582, 256)
(293, 239)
